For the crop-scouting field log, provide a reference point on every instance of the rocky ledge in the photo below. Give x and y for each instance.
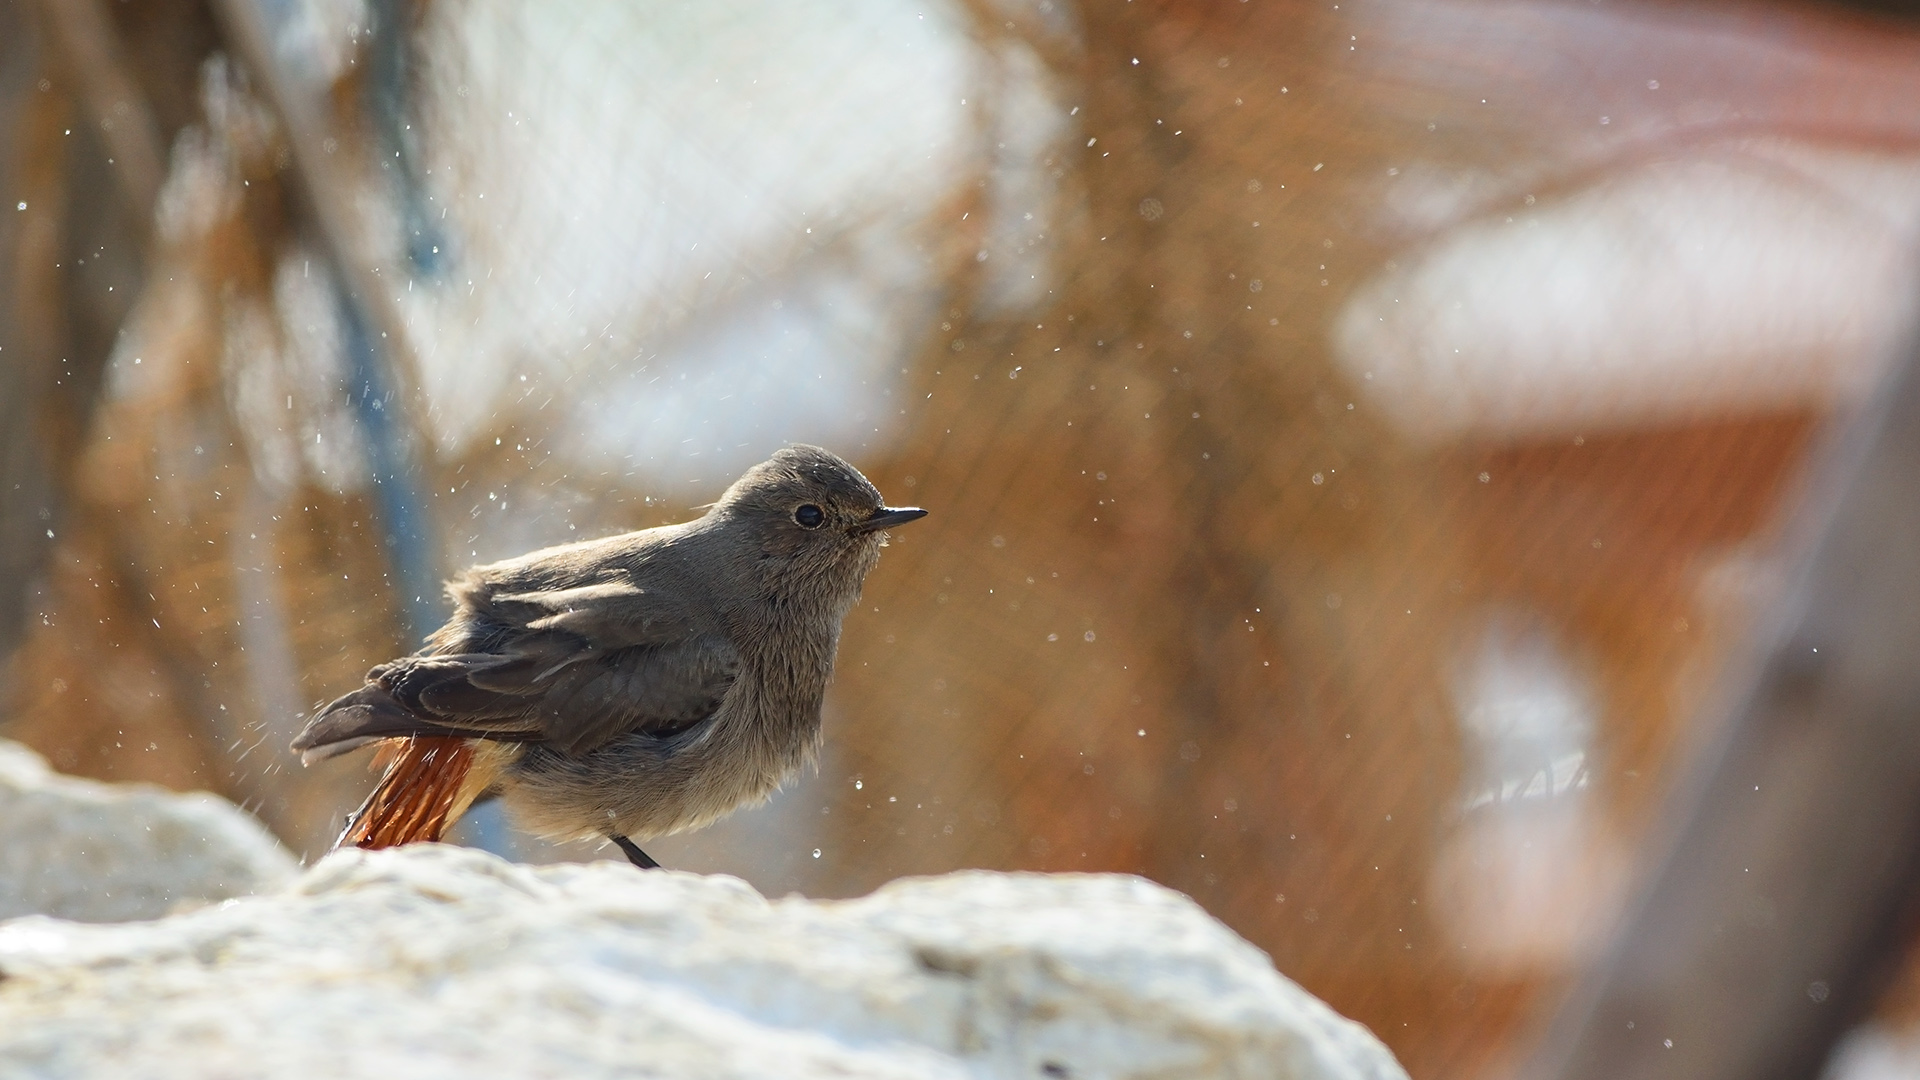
(81, 849)
(435, 961)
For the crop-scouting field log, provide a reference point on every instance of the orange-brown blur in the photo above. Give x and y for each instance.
(1390, 683)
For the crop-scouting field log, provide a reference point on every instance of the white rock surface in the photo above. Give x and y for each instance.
(434, 961)
(80, 849)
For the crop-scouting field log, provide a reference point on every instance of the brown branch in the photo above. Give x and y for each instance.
(1786, 890)
(324, 189)
(84, 34)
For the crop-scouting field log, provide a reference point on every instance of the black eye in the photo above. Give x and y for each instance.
(809, 517)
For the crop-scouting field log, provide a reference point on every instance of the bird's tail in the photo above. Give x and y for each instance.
(430, 780)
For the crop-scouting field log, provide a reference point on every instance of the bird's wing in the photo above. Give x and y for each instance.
(650, 689)
(574, 668)
(606, 615)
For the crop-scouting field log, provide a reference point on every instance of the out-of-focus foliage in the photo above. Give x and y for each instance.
(1352, 436)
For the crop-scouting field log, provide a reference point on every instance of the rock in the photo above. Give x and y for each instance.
(80, 849)
(435, 961)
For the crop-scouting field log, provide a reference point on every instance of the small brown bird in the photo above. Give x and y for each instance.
(627, 687)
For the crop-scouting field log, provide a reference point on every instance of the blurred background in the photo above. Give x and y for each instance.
(1355, 432)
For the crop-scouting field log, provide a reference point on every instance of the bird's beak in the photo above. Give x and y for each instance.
(888, 516)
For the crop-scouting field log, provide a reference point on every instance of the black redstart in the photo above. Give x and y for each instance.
(627, 687)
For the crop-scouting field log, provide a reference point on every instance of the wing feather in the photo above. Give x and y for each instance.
(573, 667)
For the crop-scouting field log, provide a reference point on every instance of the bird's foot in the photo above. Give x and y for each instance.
(633, 853)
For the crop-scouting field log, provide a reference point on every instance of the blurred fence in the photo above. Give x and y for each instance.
(1354, 436)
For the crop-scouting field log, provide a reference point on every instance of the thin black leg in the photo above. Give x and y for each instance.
(634, 855)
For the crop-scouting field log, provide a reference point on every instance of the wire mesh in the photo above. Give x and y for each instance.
(1352, 436)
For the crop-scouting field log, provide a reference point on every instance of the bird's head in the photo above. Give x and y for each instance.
(814, 522)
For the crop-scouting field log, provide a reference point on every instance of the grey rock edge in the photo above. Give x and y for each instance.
(433, 961)
(80, 849)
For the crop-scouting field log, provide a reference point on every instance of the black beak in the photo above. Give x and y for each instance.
(888, 516)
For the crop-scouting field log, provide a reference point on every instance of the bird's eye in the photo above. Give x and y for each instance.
(809, 517)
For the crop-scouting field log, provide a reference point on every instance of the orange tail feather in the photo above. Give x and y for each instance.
(418, 797)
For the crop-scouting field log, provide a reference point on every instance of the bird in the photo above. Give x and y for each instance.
(627, 687)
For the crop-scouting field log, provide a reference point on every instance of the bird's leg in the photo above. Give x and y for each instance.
(633, 853)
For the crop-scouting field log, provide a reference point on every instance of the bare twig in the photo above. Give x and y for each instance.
(319, 184)
(86, 39)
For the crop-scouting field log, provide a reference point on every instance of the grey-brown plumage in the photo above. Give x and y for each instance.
(640, 684)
